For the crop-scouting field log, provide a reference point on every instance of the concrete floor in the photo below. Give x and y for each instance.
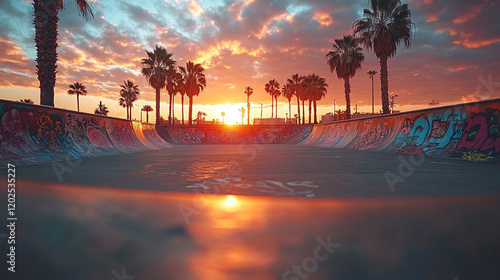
(308, 213)
(283, 170)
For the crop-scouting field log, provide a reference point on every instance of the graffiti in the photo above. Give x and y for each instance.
(31, 134)
(430, 134)
(372, 137)
(235, 135)
(481, 133)
(450, 132)
(471, 156)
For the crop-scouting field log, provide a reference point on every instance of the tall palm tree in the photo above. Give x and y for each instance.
(129, 93)
(277, 93)
(195, 82)
(223, 114)
(346, 58)
(172, 79)
(45, 20)
(101, 109)
(180, 85)
(78, 89)
(147, 109)
(294, 83)
(288, 94)
(372, 73)
(383, 28)
(27, 100)
(304, 95)
(156, 68)
(273, 88)
(248, 92)
(317, 88)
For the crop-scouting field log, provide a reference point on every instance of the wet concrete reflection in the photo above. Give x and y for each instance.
(71, 232)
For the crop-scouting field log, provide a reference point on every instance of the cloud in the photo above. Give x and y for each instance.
(248, 42)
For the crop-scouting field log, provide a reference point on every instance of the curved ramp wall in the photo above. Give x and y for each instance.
(466, 131)
(33, 134)
(234, 134)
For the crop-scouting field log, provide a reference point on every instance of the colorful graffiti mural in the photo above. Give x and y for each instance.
(234, 134)
(466, 131)
(31, 134)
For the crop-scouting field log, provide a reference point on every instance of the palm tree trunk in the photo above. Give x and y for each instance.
(173, 109)
(384, 84)
(46, 19)
(158, 106)
(347, 88)
(78, 101)
(310, 111)
(182, 100)
(315, 112)
(290, 108)
(298, 110)
(303, 113)
(190, 120)
(248, 109)
(169, 108)
(272, 106)
(147, 116)
(276, 99)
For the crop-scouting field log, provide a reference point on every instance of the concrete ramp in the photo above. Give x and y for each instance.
(234, 134)
(33, 134)
(467, 131)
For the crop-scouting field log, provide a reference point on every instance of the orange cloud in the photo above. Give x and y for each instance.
(323, 18)
(267, 28)
(470, 98)
(205, 57)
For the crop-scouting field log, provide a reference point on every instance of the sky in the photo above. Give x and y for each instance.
(454, 56)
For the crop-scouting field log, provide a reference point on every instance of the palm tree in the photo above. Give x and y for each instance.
(172, 79)
(195, 82)
(155, 68)
(317, 88)
(371, 74)
(294, 83)
(273, 88)
(248, 92)
(27, 100)
(223, 114)
(45, 20)
(147, 109)
(304, 95)
(78, 89)
(180, 85)
(242, 111)
(129, 94)
(383, 29)
(288, 94)
(101, 109)
(346, 58)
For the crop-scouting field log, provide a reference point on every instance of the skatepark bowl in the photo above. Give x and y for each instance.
(413, 195)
